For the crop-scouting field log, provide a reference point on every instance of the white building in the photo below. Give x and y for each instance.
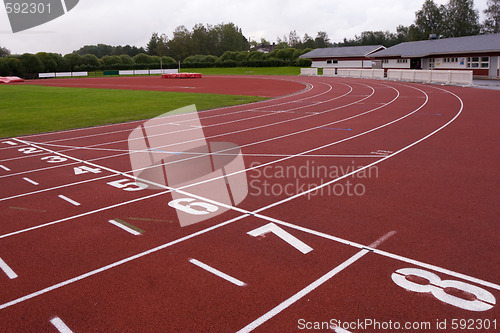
(481, 54)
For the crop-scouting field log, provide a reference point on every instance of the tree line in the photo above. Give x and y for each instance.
(457, 18)
(225, 45)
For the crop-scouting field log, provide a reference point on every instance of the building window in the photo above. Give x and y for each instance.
(478, 62)
(450, 60)
(432, 63)
(402, 61)
(385, 61)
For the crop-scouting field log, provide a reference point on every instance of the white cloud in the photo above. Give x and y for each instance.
(120, 22)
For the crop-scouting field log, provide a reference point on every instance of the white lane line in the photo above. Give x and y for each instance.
(217, 124)
(285, 304)
(71, 201)
(308, 87)
(218, 273)
(30, 181)
(7, 270)
(60, 325)
(436, 268)
(4, 167)
(118, 263)
(124, 227)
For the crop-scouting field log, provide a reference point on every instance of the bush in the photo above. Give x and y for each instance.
(142, 58)
(226, 63)
(303, 62)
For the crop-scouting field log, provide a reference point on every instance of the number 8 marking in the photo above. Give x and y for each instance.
(484, 300)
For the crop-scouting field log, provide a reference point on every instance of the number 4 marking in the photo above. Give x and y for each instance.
(290, 239)
(85, 169)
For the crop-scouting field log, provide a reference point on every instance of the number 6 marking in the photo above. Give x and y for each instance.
(483, 301)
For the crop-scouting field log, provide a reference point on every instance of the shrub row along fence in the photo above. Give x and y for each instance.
(124, 72)
(421, 76)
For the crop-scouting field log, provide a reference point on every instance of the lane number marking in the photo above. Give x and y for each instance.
(128, 185)
(480, 299)
(187, 205)
(290, 239)
(54, 159)
(85, 169)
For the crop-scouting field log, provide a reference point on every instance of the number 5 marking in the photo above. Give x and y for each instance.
(483, 301)
(128, 185)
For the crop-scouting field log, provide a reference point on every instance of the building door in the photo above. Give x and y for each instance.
(416, 63)
(493, 72)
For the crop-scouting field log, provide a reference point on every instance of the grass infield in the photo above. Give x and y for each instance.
(36, 109)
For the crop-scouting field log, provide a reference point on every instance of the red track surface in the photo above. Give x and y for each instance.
(427, 200)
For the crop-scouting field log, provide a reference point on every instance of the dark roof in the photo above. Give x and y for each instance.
(343, 52)
(458, 45)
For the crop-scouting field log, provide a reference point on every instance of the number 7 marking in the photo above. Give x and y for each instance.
(290, 239)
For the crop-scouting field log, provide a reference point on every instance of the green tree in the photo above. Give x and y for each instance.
(322, 39)
(492, 21)
(73, 59)
(91, 60)
(49, 63)
(4, 52)
(180, 45)
(110, 61)
(31, 63)
(126, 59)
(200, 40)
(461, 19)
(429, 20)
(10, 66)
(308, 42)
(142, 58)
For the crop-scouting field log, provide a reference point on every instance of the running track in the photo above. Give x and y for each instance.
(421, 164)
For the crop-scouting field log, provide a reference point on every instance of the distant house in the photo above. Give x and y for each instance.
(481, 54)
(343, 57)
(266, 48)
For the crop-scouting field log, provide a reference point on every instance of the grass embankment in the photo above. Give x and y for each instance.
(29, 109)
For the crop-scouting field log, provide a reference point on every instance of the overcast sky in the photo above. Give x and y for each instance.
(121, 22)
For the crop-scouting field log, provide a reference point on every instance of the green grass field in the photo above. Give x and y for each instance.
(33, 109)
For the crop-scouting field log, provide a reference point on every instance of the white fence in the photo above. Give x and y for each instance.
(431, 76)
(128, 72)
(61, 74)
(355, 73)
(148, 71)
(422, 76)
(309, 71)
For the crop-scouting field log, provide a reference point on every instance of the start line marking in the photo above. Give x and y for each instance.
(127, 227)
(7, 270)
(285, 304)
(71, 201)
(218, 273)
(60, 325)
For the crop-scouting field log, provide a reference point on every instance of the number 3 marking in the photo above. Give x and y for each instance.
(54, 159)
(483, 301)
